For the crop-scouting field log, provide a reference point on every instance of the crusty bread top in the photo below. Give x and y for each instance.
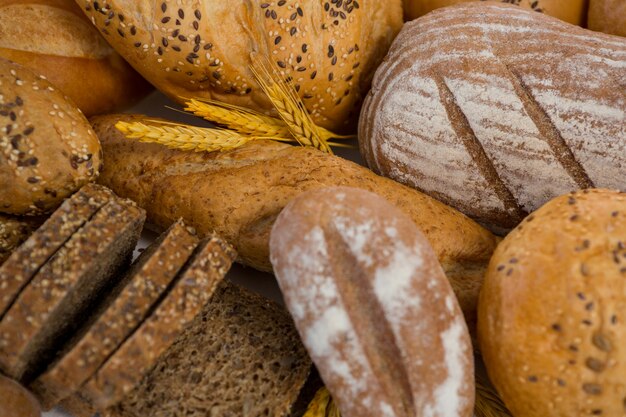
(205, 48)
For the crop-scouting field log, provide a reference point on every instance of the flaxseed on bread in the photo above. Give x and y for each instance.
(117, 317)
(14, 231)
(53, 304)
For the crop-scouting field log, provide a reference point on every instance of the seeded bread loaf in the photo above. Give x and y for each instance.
(14, 231)
(608, 16)
(205, 48)
(373, 306)
(494, 109)
(53, 304)
(25, 262)
(116, 318)
(16, 401)
(552, 310)
(47, 148)
(240, 193)
(54, 39)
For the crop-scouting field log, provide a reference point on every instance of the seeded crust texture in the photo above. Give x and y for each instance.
(123, 310)
(608, 16)
(16, 401)
(373, 306)
(495, 109)
(267, 175)
(47, 148)
(205, 48)
(53, 38)
(553, 307)
(13, 232)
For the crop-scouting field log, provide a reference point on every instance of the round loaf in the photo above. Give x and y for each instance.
(47, 148)
(53, 38)
(205, 48)
(373, 306)
(494, 110)
(553, 306)
(572, 11)
(608, 16)
(16, 401)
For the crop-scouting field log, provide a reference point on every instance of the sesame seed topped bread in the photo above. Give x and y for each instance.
(16, 401)
(53, 38)
(64, 290)
(114, 320)
(47, 148)
(14, 231)
(495, 109)
(608, 16)
(193, 288)
(241, 357)
(553, 308)
(27, 260)
(205, 48)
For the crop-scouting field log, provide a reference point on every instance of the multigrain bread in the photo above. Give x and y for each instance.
(205, 48)
(55, 301)
(608, 16)
(16, 401)
(240, 193)
(241, 357)
(552, 310)
(53, 38)
(373, 306)
(494, 109)
(47, 148)
(14, 231)
(117, 316)
(26, 261)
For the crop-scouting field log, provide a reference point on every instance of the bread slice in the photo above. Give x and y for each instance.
(54, 303)
(118, 316)
(22, 265)
(14, 231)
(16, 401)
(192, 290)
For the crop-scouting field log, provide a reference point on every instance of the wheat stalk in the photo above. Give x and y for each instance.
(322, 405)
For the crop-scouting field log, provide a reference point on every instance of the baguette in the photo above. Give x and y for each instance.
(240, 193)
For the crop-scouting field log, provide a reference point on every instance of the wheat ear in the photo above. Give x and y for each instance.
(322, 405)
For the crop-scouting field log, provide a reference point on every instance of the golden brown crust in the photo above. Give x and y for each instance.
(53, 38)
(13, 232)
(552, 309)
(16, 401)
(205, 49)
(608, 16)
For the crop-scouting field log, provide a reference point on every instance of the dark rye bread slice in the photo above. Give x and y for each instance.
(58, 298)
(241, 357)
(140, 352)
(117, 316)
(14, 231)
(17, 271)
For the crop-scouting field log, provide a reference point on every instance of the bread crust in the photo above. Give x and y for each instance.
(552, 309)
(16, 400)
(608, 16)
(13, 232)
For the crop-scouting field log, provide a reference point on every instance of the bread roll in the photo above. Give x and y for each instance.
(608, 16)
(373, 306)
(494, 110)
(239, 194)
(572, 11)
(47, 148)
(53, 38)
(205, 48)
(16, 401)
(552, 310)
(14, 231)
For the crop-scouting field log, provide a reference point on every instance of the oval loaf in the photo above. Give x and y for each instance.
(495, 109)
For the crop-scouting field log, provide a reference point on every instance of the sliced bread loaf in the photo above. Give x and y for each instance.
(57, 299)
(14, 231)
(17, 271)
(16, 401)
(118, 316)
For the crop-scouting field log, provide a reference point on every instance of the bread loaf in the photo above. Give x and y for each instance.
(16, 401)
(552, 310)
(240, 193)
(14, 231)
(47, 148)
(494, 110)
(608, 16)
(373, 306)
(205, 48)
(571, 11)
(53, 38)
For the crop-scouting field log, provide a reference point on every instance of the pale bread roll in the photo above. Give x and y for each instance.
(608, 16)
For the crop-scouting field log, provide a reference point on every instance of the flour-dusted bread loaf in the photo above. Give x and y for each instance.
(608, 16)
(373, 306)
(494, 110)
(53, 38)
(205, 48)
(553, 309)
(240, 193)
(16, 401)
(47, 148)
(14, 231)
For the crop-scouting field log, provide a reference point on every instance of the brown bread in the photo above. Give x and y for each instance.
(14, 231)
(16, 401)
